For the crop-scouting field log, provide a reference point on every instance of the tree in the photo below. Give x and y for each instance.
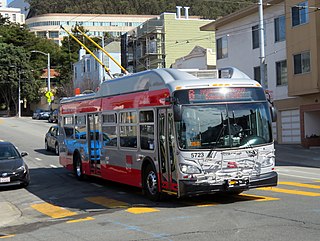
(14, 66)
(17, 62)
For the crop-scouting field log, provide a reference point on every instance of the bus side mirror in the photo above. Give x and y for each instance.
(273, 112)
(177, 112)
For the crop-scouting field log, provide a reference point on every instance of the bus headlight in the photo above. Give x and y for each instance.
(267, 162)
(189, 169)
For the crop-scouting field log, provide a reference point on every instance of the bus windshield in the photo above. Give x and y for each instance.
(224, 125)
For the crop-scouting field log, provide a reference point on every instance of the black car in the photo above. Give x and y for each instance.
(51, 139)
(40, 114)
(13, 169)
(53, 117)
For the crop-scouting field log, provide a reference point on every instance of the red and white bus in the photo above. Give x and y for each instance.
(167, 131)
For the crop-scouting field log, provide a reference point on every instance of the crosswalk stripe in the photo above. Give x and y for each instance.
(52, 210)
(107, 202)
(296, 184)
(258, 198)
(288, 191)
(140, 210)
(81, 220)
(6, 236)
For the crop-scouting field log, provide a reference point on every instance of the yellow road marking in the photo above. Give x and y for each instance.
(52, 210)
(288, 191)
(296, 184)
(81, 220)
(140, 210)
(200, 204)
(107, 202)
(7, 236)
(258, 198)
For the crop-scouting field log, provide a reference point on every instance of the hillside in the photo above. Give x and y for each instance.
(205, 8)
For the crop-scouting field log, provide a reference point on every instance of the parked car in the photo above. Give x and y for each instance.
(53, 117)
(40, 114)
(51, 139)
(13, 169)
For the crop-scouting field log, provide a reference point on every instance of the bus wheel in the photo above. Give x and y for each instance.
(150, 184)
(78, 168)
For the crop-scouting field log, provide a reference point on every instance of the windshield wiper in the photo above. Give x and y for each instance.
(218, 137)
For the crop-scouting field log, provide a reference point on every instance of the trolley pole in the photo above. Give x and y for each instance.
(262, 50)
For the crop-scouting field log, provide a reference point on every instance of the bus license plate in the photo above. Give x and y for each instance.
(4, 179)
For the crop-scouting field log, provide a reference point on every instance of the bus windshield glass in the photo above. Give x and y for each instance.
(223, 125)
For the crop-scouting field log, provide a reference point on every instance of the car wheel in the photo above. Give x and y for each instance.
(56, 148)
(46, 145)
(78, 168)
(150, 184)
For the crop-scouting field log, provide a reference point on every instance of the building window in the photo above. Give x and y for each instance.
(255, 37)
(300, 14)
(280, 28)
(301, 63)
(14, 17)
(222, 47)
(88, 69)
(257, 75)
(281, 72)
(53, 34)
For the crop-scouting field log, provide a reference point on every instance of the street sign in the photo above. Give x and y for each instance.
(49, 96)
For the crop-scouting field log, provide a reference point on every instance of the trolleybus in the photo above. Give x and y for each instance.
(167, 131)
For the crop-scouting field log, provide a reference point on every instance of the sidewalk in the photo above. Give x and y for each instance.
(297, 155)
(9, 213)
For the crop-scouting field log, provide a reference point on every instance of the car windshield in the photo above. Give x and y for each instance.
(8, 152)
(224, 125)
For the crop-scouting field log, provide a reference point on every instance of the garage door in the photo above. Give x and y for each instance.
(290, 123)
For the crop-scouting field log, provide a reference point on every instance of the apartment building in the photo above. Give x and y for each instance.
(48, 25)
(160, 41)
(292, 60)
(88, 74)
(13, 14)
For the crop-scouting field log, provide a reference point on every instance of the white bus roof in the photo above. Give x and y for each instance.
(172, 79)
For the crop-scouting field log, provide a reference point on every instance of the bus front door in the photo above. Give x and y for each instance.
(93, 141)
(166, 150)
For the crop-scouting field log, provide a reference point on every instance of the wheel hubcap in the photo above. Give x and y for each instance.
(152, 183)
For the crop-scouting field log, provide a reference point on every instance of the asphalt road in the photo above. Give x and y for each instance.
(56, 206)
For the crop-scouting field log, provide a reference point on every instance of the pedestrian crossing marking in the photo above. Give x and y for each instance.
(140, 210)
(296, 184)
(258, 198)
(81, 220)
(289, 191)
(107, 202)
(7, 236)
(52, 210)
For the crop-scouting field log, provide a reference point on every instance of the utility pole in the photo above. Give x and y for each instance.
(262, 51)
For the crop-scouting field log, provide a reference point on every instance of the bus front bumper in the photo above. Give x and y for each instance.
(192, 188)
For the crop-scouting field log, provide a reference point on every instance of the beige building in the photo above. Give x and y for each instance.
(303, 51)
(48, 25)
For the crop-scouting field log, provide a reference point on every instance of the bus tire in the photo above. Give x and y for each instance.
(78, 168)
(150, 183)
